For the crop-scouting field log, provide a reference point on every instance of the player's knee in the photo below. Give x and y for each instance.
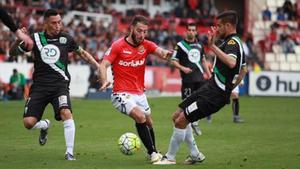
(149, 122)
(140, 118)
(175, 116)
(137, 115)
(29, 122)
(179, 123)
(65, 114)
(234, 95)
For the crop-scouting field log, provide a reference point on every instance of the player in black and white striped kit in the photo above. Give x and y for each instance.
(229, 70)
(51, 79)
(189, 58)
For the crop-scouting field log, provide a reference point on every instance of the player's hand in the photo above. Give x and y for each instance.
(187, 70)
(22, 35)
(211, 36)
(167, 55)
(104, 86)
(206, 76)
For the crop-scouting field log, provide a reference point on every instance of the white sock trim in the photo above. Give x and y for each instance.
(42, 124)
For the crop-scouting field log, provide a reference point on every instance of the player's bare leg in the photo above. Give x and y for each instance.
(32, 123)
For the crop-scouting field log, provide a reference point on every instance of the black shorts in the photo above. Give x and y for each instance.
(40, 97)
(188, 88)
(204, 102)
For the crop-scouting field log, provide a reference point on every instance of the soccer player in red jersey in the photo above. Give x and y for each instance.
(127, 56)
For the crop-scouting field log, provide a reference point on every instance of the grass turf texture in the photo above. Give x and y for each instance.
(269, 139)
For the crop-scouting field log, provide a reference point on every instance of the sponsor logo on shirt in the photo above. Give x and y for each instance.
(133, 63)
(127, 52)
(50, 54)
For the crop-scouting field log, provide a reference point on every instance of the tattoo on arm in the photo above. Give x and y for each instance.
(87, 57)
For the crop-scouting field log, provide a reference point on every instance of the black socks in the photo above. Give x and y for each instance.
(235, 107)
(146, 136)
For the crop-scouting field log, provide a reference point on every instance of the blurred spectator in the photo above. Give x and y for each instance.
(252, 56)
(280, 14)
(266, 14)
(17, 83)
(272, 38)
(287, 43)
(288, 10)
(4, 88)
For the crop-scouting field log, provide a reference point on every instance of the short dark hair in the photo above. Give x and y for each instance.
(139, 18)
(191, 24)
(229, 16)
(50, 12)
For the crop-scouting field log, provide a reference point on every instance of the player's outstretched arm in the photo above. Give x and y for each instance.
(184, 69)
(103, 75)
(87, 57)
(207, 73)
(162, 53)
(225, 58)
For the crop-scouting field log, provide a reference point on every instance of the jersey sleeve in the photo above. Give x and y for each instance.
(7, 20)
(73, 46)
(175, 55)
(203, 56)
(243, 60)
(111, 53)
(151, 47)
(232, 48)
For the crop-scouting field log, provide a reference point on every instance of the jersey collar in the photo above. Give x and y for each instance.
(229, 36)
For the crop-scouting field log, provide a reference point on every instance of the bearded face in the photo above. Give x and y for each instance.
(138, 33)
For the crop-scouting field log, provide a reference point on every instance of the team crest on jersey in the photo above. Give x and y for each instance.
(141, 49)
(62, 40)
(231, 42)
(194, 55)
(50, 54)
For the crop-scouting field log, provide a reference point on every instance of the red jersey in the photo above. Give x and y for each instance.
(128, 65)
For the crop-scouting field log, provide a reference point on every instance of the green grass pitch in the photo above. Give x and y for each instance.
(269, 138)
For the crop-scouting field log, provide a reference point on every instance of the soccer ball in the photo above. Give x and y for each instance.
(129, 143)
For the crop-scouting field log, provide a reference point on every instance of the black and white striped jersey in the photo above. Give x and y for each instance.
(190, 55)
(223, 75)
(51, 58)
